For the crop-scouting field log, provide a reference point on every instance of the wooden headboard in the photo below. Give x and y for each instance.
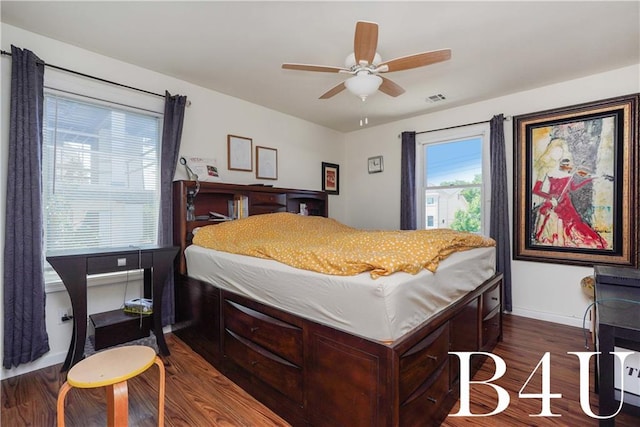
(216, 197)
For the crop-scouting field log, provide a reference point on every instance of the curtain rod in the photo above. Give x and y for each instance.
(93, 77)
(459, 126)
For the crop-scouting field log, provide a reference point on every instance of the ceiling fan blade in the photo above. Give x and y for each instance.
(307, 67)
(333, 91)
(365, 41)
(415, 61)
(390, 88)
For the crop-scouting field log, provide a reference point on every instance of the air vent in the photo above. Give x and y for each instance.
(436, 98)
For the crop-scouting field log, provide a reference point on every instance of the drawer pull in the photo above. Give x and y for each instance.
(255, 328)
(432, 400)
(434, 358)
(254, 362)
(494, 298)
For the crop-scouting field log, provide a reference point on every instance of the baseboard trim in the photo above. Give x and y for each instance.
(554, 318)
(41, 363)
(45, 362)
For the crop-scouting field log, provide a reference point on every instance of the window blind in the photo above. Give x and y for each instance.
(100, 175)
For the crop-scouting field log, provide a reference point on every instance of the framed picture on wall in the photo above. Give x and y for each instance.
(375, 164)
(239, 153)
(576, 184)
(330, 178)
(266, 163)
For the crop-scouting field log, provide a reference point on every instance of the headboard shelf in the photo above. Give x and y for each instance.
(216, 197)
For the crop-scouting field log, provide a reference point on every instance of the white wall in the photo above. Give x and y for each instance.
(302, 147)
(541, 290)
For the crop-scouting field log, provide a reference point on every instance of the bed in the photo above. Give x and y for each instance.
(331, 350)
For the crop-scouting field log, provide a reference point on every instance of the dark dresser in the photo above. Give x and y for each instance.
(618, 326)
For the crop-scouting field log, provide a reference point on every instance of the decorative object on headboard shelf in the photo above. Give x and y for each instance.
(191, 175)
(239, 153)
(331, 178)
(191, 208)
(205, 169)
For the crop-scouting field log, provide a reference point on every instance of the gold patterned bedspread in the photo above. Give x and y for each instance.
(327, 246)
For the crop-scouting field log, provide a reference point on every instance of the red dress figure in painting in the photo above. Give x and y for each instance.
(559, 223)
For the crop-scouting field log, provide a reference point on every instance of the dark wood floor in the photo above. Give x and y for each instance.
(524, 343)
(197, 395)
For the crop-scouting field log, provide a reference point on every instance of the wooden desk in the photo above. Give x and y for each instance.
(74, 266)
(618, 323)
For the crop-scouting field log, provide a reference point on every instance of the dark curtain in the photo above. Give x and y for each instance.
(174, 107)
(499, 226)
(25, 334)
(408, 219)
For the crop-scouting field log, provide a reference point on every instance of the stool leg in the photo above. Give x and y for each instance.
(160, 392)
(62, 394)
(117, 405)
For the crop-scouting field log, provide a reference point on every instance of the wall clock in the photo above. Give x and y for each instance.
(375, 164)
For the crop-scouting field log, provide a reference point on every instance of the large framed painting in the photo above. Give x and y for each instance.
(576, 184)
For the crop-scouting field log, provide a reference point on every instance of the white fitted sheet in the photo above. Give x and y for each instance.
(383, 309)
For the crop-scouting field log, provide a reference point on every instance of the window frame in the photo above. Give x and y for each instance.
(62, 84)
(452, 135)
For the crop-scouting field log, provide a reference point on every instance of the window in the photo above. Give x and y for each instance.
(430, 222)
(453, 176)
(100, 175)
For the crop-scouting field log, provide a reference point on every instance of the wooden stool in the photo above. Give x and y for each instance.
(112, 368)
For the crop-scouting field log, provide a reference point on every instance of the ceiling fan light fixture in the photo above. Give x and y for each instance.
(363, 84)
(365, 63)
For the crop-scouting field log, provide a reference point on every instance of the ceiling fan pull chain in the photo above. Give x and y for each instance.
(364, 120)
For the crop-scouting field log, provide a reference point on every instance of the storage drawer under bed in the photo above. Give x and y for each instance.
(422, 360)
(425, 406)
(268, 348)
(283, 376)
(274, 335)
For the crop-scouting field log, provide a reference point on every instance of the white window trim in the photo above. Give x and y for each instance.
(119, 278)
(465, 132)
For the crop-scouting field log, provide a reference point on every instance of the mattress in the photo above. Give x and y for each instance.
(383, 309)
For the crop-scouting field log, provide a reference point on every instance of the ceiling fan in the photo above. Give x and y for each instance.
(365, 65)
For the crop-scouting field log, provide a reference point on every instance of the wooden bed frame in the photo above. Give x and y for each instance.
(314, 375)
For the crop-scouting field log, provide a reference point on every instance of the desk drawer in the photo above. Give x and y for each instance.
(124, 262)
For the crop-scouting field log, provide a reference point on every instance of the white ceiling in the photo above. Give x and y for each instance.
(237, 48)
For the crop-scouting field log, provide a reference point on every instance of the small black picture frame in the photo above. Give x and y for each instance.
(330, 178)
